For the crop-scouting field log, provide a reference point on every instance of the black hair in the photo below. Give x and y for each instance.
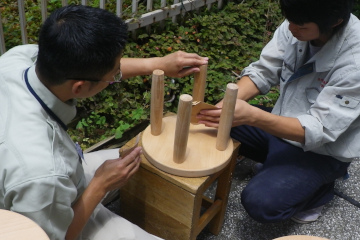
(79, 41)
(324, 13)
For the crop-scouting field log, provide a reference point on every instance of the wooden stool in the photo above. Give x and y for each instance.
(300, 237)
(170, 206)
(16, 226)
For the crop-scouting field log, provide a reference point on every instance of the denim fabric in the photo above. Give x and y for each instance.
(291, 179)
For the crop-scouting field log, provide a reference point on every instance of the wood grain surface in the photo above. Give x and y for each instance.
(201, 158)
(14, 226)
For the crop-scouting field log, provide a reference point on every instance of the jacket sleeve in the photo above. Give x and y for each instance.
(266, 72)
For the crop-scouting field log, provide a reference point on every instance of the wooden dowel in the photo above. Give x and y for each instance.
(199, 84)
(227, 116)
(182, 128)
(157, 102)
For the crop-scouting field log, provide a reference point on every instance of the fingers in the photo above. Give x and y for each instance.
(180, 64)
(125, 150)
(124, 169)
(131, 162)
(192, 59)
(131, 156)
(210, 124)
(210, 118)
(135, 167)
(187, 71)
(210, 112)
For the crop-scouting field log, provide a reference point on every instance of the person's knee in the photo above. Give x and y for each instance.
(260, 207)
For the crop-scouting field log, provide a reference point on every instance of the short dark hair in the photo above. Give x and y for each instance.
(324, 13)
(80, 42)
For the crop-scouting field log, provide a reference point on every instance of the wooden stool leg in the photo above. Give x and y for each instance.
(222, 192)
(199, 84)
(196, 229)
(227, 116)
(157, 102)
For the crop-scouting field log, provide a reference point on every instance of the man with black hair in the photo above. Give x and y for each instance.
(312, 134)
(43, 173)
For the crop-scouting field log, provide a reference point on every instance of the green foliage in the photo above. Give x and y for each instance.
(356, 9)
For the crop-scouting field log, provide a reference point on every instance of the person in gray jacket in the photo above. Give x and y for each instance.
(312, 134)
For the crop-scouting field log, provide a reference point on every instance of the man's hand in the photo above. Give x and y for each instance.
(177, 65)
(112, 174)
(242, 115)
(180, 64)
(246, 114)
(115, 173)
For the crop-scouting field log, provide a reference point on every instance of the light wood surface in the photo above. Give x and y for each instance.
(197, 107)
(157, 102)
(174, 207)
(300, 237)
(199, 84)
(182, 128)
(14, 226)
(201, 158)
(226, 118)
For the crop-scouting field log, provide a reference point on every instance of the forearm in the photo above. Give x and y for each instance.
(247, 89)
(177, 65)
(279, 126)
(131, 67)
(83, 208)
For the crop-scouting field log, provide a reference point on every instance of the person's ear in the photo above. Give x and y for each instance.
(77, 87)
(340, 20)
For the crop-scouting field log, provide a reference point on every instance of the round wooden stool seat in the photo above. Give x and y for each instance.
(201, 158)
(300, 237)
(14, 226)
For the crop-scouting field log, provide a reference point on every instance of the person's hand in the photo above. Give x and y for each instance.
(242, 114)
(115, 173)
(180, 64)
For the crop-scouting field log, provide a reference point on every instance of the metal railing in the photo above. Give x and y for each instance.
(146, 19)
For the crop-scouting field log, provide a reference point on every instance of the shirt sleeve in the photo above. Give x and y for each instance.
(47, 201)
(265, 72)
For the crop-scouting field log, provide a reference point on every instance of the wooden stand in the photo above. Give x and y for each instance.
(300, 237)
(196, 150)
(16, 226)
(202, 157)
(170, 206)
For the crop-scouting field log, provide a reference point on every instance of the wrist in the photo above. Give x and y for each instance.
(96, 190)
(155, 63)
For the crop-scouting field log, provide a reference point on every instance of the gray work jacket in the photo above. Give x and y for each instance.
(323, 93)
